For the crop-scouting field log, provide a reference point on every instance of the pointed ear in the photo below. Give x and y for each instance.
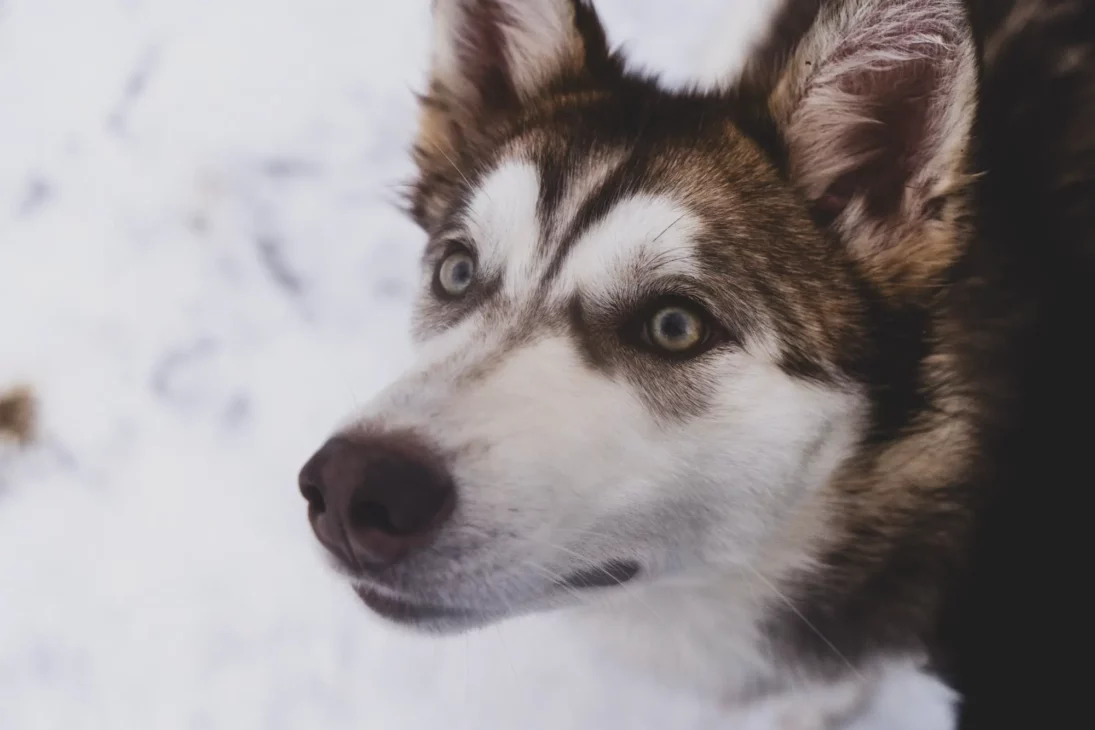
(875, 104)
(490, 58)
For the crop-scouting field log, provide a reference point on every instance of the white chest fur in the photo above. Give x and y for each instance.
(702, 644)
(896, 696)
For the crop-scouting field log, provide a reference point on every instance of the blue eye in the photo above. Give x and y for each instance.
(676, 329)
(456, 273)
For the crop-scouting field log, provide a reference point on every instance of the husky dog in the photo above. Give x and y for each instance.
(742, 371)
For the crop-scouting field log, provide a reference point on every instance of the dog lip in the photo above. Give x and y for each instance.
(404, 611)
(401, 610)
(607, 575)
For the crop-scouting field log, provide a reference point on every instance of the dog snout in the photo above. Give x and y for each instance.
(374, 499)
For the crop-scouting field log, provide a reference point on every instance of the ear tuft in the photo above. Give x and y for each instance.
(876, 105)
(492, 53)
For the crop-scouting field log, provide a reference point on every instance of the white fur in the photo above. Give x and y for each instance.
(503, 226)
(898, 695)
(907, 697)
(643, 236)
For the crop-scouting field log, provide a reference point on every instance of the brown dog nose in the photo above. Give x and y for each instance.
(374, 499)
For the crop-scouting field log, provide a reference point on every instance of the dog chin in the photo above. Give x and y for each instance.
(427, 617)
(441, 619)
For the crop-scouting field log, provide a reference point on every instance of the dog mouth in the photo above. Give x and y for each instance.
(606, 575)
(404, 611)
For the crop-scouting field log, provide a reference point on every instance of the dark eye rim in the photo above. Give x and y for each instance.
(453, 248)
(636, 331)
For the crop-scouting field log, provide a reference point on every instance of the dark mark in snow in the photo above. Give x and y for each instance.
(237, 411)
(392, 289)
(17, 414)
(38, 193)
(270, 253)
(135, 88)
(285, 168)
(163, 374)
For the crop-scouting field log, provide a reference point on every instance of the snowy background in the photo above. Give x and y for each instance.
(202, 269)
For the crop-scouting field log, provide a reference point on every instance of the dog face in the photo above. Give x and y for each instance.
(653, 327)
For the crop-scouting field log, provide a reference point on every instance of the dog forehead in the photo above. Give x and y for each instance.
(642, 237)
(596, 234)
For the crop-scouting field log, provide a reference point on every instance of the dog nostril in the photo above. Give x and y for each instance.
(314, 497)
(369, 515)
(374, 498)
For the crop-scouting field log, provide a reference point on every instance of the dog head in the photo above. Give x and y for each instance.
(653, 326)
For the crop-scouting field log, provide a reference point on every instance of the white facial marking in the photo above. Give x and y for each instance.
(646, 235)
(504, 226)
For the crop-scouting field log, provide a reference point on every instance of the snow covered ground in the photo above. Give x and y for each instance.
(202, 268)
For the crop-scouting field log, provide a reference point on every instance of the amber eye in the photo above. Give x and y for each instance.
(456, 273)
(676, 329)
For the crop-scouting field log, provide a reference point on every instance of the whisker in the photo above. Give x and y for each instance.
(679, 219)
(467, 674)
(554, 578)
(457, 168)
(790, 604)
(579, 531)
(561, 580)
(501, 596)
